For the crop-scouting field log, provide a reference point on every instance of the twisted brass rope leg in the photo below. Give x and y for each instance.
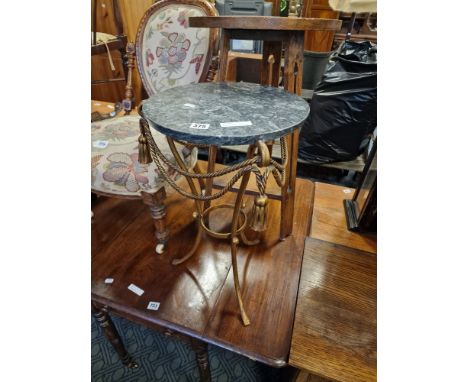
(180, 260)
(198, 214)
(235, 240)
(201, 182)
(212, 151)
(234, 243)
(242, 235)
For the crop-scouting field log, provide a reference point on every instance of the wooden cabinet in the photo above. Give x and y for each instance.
(318, 41)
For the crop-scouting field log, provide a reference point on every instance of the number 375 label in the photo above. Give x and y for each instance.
(200, 126)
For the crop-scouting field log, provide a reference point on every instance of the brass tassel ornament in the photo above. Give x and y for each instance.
(144, 156)
(258, 215)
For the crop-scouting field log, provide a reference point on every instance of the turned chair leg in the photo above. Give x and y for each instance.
(201, 351)
(108, 327)
(155, 201)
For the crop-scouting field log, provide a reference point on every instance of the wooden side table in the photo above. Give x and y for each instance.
(276, 33)
(197, 300)
(335, 324)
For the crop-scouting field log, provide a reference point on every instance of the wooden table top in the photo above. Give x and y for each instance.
(329, 220)
(266, 23)
(335, 330)
(197, 298)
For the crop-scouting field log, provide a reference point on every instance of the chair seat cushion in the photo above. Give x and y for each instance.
(114, 158)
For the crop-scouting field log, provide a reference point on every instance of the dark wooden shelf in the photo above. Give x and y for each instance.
(265, 23)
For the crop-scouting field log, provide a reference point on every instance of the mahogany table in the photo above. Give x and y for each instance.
(335, 328)
(197, 298)
(276, 33)
(335, 333)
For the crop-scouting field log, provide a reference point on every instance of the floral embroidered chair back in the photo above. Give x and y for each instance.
(168, 52)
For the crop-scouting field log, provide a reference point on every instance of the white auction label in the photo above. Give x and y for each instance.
(135, 289)
(347, 191)
(235, 124)
(109, 280)
(153, 305)
(200, 126)
(100, 144)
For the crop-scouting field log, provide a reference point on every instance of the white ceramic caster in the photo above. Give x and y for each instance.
(160, 248)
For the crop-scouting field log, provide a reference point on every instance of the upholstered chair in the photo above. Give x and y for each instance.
(168, 54)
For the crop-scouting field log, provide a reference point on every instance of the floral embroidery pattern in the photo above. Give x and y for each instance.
(125, 170)
(183, 19)
(153, 74)
(114, 132)
(197, 60)
(149, 57)
(184, 16)
(172, 53)
(173, 50)
(165, 23)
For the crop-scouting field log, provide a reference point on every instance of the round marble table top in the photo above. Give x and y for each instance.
(225, 113)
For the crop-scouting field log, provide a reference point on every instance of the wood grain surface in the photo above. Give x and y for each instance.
(269, 291)
(110, 225)
(335, 326)
(132, 12)
(107, 20)
(197, 298)
(265, 23)
(329, 220)
(318, 41)
(101, 70)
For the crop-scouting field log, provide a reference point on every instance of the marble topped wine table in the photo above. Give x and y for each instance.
(219, 114)
(276, 33)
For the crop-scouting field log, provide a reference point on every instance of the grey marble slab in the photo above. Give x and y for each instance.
(225, 113)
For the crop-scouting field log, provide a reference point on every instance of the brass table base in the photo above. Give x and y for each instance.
(203, 197)
(236, 231)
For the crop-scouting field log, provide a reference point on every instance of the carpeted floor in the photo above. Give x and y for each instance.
(167, 359)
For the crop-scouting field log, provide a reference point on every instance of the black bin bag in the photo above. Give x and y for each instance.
(343, 109)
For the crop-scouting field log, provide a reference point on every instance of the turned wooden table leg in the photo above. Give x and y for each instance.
(293, 62)
(108, 327)
(155, 201)
(201, 351)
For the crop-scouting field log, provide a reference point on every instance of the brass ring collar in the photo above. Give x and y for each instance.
(222, 235)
